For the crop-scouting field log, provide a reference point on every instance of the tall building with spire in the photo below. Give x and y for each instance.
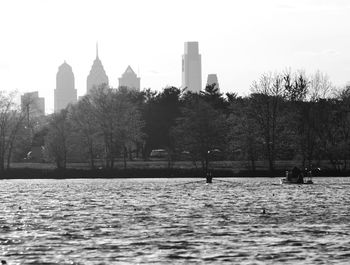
(130, 80)
(192, 68)
(97, 75)
(65, 92)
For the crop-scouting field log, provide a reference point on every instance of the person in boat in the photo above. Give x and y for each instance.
(288, 176)
(295, 172)
(300, 178)
(314, 171)
(297, 175)
(209, 177)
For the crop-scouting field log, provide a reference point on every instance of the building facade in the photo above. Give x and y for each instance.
(33, 104)
(65, 92)
(97, 75)
(213, 80)
(130, 80)
(191, 68)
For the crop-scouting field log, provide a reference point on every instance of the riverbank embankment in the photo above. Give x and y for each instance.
(42, 173)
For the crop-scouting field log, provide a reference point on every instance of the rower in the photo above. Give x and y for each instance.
(209, 178)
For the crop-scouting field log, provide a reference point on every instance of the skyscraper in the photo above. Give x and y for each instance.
(213, 80)
(192, 68)
(65, 92)
(130, 80)
(97, 75)
(32, 103)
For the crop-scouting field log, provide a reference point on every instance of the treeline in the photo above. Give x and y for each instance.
(287, 116)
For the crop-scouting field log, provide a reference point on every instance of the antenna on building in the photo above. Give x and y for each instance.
(96, 50)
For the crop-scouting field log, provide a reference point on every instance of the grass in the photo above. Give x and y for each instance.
(156, 169)
(234, 166)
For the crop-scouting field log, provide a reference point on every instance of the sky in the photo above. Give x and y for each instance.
(239, 40)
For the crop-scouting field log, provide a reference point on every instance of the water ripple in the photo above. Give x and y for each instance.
(146, 221)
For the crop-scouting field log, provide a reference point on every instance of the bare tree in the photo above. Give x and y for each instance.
(84, 125)
(132, 131)
(200, 130)
(117, 119)
(56, 140)
(266, 98)
(320, 87)
(296, 85)
(11, 122)
(244, 136)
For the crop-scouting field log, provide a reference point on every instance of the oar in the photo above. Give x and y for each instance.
(225, 180)
(232, 182)
(189, 182)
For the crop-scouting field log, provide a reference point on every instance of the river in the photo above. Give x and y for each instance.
(176, 221)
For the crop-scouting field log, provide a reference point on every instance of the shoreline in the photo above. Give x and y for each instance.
(72, 173)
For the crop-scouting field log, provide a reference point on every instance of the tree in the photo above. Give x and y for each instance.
(84, 126)
(296, 86)
(267, 100)
(11, 123)
(343, 123)
(299, 116)
(212, 96)
(308, 119)
(131, 132)
(320, 87)
(118, 121)
(244, 138)
(200, 129)
(160, 113)
(57, 143)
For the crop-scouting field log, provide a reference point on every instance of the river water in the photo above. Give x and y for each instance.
(176, 221)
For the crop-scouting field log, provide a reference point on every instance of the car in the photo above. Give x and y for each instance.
(159, 153)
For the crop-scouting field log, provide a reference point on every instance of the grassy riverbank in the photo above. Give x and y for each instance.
(153, 169)
(233, 166)
(28, 173)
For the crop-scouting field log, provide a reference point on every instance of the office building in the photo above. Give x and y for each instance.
(191, 68)
(97, 75)
(65, 92)
(213, 80)
(33, 104)
(130, 80)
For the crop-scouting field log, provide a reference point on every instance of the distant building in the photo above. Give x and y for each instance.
(130, 80)
(97, 75)
(65, 92)
(192, 68)
(32, 103)
(213, 80)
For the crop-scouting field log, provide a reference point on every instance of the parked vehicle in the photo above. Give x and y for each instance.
(159, 153)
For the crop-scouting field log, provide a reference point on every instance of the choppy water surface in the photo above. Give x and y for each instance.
(167, 221)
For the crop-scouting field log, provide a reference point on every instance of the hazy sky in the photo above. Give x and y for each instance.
(238, 40)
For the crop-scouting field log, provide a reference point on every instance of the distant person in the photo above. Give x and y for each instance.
(288, 175)
(209, 178)
(315, 171)
(295, 172)
(300, 178)
(296, 175)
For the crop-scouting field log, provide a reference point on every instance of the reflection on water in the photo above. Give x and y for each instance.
(166, 221)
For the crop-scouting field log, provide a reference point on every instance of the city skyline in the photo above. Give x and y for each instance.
(241, 43)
